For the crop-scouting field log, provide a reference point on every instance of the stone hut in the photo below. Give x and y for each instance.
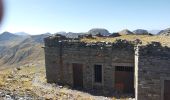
(119, 67)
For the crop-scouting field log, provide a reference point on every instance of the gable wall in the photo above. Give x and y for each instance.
(153, 69)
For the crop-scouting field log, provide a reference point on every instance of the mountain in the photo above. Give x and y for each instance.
(40, 38)
(101, 31)
(141, 32)
(154, 31)
(62, 32)
(8, 39)
(7, 36)
(165, 32)
(22, 34)
(20, 54)
(125, 32)
(18, 50)
(70, 34)
(93, 31)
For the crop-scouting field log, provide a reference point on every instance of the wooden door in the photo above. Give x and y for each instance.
(167, 90)
(78, 75)
(124, 79)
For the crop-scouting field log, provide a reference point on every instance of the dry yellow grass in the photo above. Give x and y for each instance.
(19, 80)
(164, 40)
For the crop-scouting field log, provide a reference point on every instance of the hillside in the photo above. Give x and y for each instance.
(9, 39)
(17, 50)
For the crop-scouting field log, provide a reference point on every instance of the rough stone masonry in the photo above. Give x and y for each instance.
(109, 68)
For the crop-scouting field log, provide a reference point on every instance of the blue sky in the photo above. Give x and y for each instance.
(41, 16)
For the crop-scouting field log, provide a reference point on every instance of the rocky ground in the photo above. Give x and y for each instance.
(29, 83)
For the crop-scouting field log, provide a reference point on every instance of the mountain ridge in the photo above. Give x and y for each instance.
(19, 49)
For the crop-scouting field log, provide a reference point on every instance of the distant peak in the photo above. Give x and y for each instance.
(141, 32)
(47, 33)
(7, 33)
(165, 32)
(101, 31)
(125, 32)
(21, 33)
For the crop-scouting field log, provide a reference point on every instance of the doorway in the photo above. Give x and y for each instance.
(77, 75)
(124, 79)
(167, 90)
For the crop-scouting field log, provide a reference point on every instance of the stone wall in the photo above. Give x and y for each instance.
(61, 54)
(153, 69)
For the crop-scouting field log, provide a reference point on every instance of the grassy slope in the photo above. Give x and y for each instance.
(22, 53)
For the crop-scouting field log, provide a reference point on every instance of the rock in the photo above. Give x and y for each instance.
(60, 87)
(18, 68)
(10, 76)
(2, 94)
(8, 97)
